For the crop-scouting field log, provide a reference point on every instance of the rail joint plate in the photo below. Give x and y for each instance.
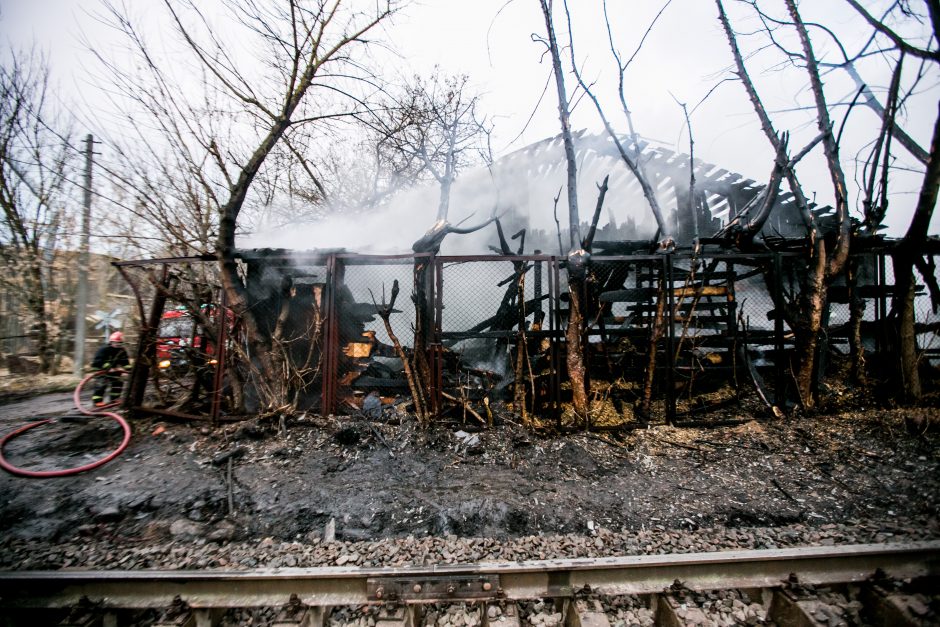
(438, 588)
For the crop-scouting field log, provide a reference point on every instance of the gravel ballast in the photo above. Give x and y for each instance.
(347, 492)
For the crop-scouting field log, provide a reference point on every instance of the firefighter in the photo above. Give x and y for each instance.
(111, 357)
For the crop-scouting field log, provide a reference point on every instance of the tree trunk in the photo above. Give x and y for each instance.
(281, 385)
(259, 346)
(443, 205)
(840, 252)
(812, 299)
(813, 303)
(904, 269)
(310, 62)
(36, 303)
(574, 347)
(904, 292)
(235, 291)
(422, 370)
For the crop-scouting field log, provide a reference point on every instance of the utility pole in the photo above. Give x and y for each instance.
(81, 299)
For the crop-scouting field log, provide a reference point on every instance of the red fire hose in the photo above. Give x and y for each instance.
(69, 471)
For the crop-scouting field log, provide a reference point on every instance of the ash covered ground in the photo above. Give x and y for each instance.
(347, 491)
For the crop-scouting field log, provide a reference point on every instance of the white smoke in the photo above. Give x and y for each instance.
(521, 189)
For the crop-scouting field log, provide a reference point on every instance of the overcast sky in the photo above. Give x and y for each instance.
(684, 58)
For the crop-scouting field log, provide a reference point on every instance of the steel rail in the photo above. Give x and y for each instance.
(331, 586)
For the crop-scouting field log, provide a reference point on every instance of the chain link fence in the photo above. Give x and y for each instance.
(668, 337)
(926, 305)
(366, 361)
(497, 333)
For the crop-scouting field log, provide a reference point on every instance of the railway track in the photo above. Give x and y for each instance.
(789, 584)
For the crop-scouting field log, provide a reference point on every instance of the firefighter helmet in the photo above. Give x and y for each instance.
(117, 336)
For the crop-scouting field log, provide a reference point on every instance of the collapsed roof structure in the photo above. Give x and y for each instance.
(493, 324)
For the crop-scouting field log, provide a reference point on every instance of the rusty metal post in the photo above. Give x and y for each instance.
(338, 295)
(586, 350)
(555, 317)
(146, 348)
(436, 345)
(538, 316)
(220, 340)
(732, 321)
(780, 394)
(882, 311)
(328, 354)
(429, 307)
(670, 340)
(337, 281)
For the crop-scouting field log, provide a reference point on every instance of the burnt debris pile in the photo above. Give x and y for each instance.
(628, 327)
(668, 336)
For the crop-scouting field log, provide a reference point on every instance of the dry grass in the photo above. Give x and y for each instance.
(17, 386)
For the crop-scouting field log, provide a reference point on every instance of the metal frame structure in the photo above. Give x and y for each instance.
(146, 343)
(547, 267)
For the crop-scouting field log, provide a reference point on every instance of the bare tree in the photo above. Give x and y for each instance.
(163, 212)
(36, 160)
(577, 257)
(359, 176)
(909, 254)
(437, 124)
(222, 130)
(430, 130)
(630, 152)
(823, 264)
(886, 44)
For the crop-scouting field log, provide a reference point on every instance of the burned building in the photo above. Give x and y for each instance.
(487, 330)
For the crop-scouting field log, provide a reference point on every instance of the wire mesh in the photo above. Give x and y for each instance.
(493, 321)
(364, 281)
(367, 361)
(484, 304)
(494, 330)
(926, 307)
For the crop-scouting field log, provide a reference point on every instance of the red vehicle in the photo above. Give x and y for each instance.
(182, 341)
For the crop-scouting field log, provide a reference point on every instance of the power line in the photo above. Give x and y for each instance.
(78, 185)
